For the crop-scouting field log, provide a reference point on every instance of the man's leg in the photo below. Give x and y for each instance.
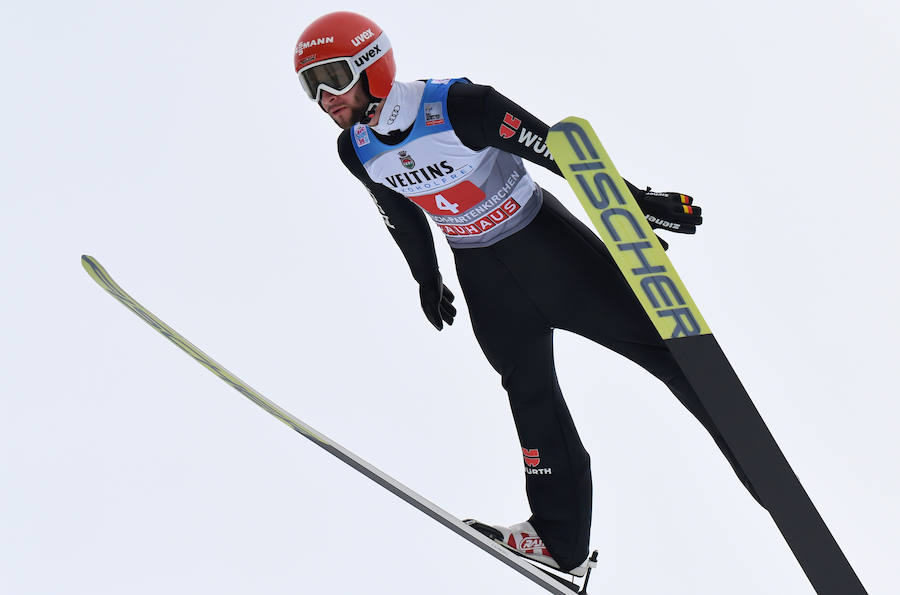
(576, 286)
(518, 343)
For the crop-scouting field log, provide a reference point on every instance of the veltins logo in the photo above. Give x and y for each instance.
(406, 160)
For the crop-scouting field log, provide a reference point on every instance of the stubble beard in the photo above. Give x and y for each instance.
(350, 115)
(356, 115)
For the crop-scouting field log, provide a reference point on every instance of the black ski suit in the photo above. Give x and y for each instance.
(553, 273)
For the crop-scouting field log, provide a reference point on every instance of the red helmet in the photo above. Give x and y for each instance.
(334, 51)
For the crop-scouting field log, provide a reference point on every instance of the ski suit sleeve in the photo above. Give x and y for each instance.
(404, 220)
(482, 117)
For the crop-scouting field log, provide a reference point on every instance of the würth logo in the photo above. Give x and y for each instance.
(512, 124)
(532, 460)
(509, 126)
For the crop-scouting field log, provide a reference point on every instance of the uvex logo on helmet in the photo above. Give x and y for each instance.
(364, 36)
(362, 59)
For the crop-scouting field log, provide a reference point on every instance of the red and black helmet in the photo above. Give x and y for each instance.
(334, 51)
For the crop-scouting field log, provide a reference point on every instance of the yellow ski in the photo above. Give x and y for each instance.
(639, 255)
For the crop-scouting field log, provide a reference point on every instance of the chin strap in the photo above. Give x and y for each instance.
(374, 102)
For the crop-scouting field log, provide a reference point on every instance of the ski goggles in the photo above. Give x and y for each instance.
(338, 75)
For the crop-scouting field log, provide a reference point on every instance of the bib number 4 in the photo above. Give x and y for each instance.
(445, 205)
(451, 201)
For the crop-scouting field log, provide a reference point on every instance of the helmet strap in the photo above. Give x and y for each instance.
(374, 102)
(370, 111)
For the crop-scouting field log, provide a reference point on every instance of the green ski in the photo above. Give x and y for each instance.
(550, 582)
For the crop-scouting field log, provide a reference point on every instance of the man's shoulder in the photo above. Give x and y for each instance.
(346, 151)
(463, 87)
(344, 144)
(466, 105)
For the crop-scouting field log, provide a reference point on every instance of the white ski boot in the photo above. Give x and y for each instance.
(524, 540)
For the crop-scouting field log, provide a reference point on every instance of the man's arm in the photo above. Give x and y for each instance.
(482, 117)
(404, 219)
(407, 225)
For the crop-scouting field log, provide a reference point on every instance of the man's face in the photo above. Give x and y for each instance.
(346, 109)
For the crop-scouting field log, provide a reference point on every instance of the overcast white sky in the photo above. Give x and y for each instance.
(171, 140)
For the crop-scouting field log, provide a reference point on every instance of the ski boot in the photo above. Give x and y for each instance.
(523, 540)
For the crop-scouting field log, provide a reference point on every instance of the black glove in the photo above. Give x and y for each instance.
(669, 210)
(437, 302)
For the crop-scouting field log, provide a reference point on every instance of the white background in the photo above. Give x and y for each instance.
(172, 141)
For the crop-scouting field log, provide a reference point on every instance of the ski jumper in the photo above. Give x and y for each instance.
(526, 266)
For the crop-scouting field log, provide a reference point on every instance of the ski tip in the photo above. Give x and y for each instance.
(561, 126)
(93, 267)
(88, 262)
